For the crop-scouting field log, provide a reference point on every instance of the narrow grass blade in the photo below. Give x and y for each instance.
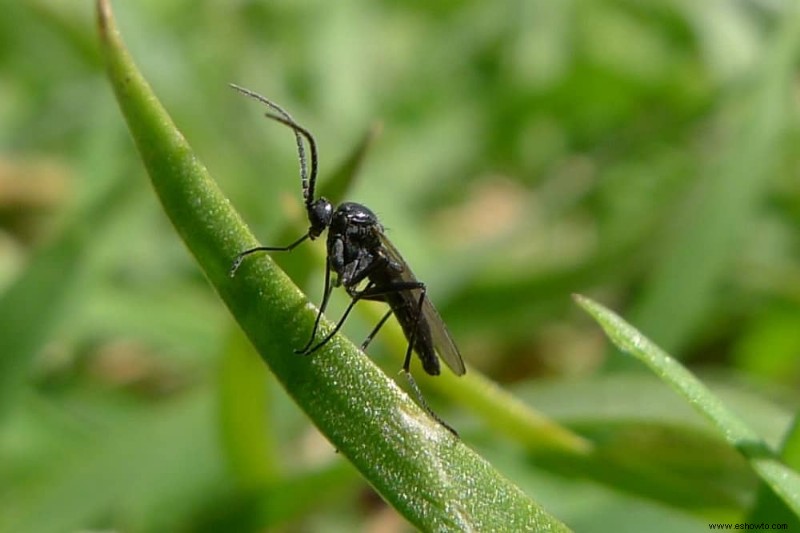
(782, 479)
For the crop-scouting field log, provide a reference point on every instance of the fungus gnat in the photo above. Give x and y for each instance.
(367, 265)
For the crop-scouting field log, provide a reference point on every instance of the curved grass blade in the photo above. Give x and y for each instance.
(782, 479)
(768, 507)
(428, 475)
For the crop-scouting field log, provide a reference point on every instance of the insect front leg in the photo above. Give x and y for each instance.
(239, 258)
(329, 336)
(324, 305)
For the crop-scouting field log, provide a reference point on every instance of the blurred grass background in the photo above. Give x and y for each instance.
(641, 153)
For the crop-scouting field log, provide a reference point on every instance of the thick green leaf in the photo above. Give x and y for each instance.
(426, 473)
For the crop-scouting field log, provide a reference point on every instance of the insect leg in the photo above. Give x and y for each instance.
(421, 401)
(375, 330)
(413, 336)
(326, 295)
(239, 258)
(375, 293)
(329, 336)
(371, 292)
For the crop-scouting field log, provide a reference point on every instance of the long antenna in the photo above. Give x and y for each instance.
(281, 115)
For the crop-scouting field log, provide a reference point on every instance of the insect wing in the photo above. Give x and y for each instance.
(445, 346)
(442, 341)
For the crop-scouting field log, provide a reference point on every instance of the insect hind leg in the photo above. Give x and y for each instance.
(422, 403)
(375, 330)
(376, 293)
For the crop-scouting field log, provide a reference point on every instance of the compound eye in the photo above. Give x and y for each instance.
(319, 216)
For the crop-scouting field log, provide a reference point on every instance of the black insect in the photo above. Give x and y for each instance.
(367, 265)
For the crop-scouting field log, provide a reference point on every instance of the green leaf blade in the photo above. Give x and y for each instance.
(429, 476)
(782, 479)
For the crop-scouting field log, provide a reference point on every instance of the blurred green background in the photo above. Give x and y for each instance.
(642, 153)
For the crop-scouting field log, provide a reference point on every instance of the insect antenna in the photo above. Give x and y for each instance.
(279, 114)
(307, 181)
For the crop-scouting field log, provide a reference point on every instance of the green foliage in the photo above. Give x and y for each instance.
(412, 461)
(642, 153)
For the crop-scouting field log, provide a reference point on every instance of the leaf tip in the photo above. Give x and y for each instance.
(105, 18)
(582, 301)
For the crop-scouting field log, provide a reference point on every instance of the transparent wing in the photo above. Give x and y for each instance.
(443, 343)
